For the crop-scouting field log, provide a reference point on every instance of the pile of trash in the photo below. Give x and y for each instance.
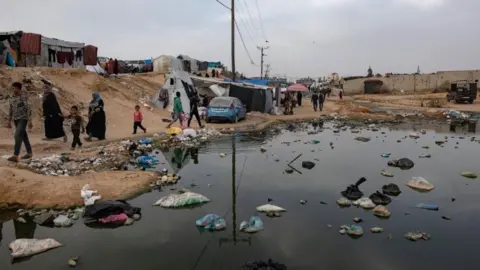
(454, 114)
(187, 137)
(50, 218)
(65, 165)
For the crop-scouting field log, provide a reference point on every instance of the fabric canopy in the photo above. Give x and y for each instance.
(297, 88)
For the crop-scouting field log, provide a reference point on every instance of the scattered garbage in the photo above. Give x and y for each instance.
(212, 222)
(114, 219)
(357, 220)
(425, 156)
(174, 131)
(414, 135)
(315, 142)
(381, 211)
(427, 206)
(190, 132)
(376, 230)
(380, 199)
(365, 203)
(470, 175)
(45, 219)
(109, 212)
(181, 199)
(145, 141)
(415, 236)
(62, 221)
(308, 165)
(362, 139)
(391, 190)
(420, 184)
(344, 202)
(270, 208)
(352, 192)
(88, 195)
(261, 265)
(303, 202)
(386, 155)
(386, 174)
(28, 247)
(255, 224)
(72, 262)
(147, 161)
(222, 155)
(446, 218)
(403, 163)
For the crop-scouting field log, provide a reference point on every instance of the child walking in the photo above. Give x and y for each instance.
(137, 120)
(77, 126)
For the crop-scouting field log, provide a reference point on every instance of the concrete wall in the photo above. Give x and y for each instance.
(410, 82)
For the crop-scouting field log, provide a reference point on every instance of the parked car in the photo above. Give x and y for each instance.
(226, 109)
(463, 91)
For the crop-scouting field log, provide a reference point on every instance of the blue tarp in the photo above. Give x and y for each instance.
(148, 61)
(214, 64)
(250, 81)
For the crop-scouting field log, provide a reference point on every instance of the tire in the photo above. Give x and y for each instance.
(235, 120)
(208, 120)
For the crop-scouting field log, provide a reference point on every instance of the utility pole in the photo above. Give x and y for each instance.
(234, 72)
(268, 68)
(262, 48)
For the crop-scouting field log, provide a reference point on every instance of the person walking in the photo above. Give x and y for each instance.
(299, 98)
(321, 100)
(315, 100)
(21, 116)
(53, 116)
(341, 94)
(137, 120)
(177, 110)
(96, 126)
(77, 126)
(194, 101)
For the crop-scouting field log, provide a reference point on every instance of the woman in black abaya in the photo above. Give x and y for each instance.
(96, 126)
(53, 117)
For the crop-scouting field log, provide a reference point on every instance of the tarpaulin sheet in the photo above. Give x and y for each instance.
(30, 43)
(90, 55)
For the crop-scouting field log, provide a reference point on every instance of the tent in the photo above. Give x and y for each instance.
(166, 63)
(177, 81)
(211, 87)
(258, 99)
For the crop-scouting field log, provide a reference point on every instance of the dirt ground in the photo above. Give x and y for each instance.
(21, 188)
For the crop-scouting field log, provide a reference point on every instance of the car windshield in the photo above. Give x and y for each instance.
(220, 102)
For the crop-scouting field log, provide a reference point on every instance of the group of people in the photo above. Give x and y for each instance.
(20, 116)
(318, 98)
(178, 112)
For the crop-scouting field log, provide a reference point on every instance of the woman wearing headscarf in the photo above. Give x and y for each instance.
(52, 114)
(96, 126)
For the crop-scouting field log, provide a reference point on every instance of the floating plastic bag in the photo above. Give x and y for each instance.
(87, 195)
(428, 206)
(147, 161)
(62, 221)
(254, 225)
(181, 200)
(355, 230)
(419, 183)
(212, 222)
(344, 202)
(469, 175)
(28, 247)
(145, 141)
(381, 211)
(270, 208)
(364, 203)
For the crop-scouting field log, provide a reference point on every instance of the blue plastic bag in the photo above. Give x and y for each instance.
(432, 207)
(254, 225)
(147, 161)
(212, 222)
(145, 141)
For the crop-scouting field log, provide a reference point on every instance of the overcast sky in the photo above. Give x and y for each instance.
(306, 37)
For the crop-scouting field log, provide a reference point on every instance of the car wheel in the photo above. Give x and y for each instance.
(208, 120)
(235, 120)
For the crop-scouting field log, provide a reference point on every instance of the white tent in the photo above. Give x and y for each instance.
(166, 63)
(177, 81)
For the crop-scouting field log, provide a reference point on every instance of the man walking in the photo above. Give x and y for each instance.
(315, 100)
(177, 110)
(321, 100)
(194, 100)
(21, 115)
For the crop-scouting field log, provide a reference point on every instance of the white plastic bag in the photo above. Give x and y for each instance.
(87, 195)
(270, 208)
(365, 203)
(420, 183)
(181, 200)
(28, 247)
(189, 132)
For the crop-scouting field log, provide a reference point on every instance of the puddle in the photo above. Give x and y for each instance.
(300, 238)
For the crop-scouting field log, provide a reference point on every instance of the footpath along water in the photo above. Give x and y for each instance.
(301, 238)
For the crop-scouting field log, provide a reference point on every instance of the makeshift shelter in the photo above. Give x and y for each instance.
(255, 98)
(190, 65)
(373, 86)
(58, 54)
(166, 64)
(10, 47)
(177, 81)
(210, 87)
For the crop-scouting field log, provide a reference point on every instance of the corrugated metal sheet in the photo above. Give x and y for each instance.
(61, 43)
(90, 55)
(30, 43)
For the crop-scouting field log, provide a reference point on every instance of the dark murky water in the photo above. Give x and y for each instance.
(168, 239)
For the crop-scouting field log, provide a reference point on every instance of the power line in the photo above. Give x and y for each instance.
(251, 19)
(223, 4)
(243, 42)
(245, 26)
(261, 21)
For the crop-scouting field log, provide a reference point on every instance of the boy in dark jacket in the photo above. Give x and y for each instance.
(77, 126)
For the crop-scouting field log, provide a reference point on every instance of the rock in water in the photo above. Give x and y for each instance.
(403, 163)
(386, 174)
(62, 221)
(470, 175)
(391, 190)
(129, 222)
(355, 231)
(344, 202)
(21, 220)
(136, 217)
(381, 211)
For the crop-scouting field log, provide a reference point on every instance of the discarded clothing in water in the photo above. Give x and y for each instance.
(379, 198)
(145, 141)
(255, 224)
(353, 192)
(261, 265)
(28, 247)
(365, 203)
(420, 184)
(391, 190)
(212, 222)
(403, 163)
(107, 208)
(270, 208)
(428, 206)
(308, 165)
(114, 219)
(184, 199)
